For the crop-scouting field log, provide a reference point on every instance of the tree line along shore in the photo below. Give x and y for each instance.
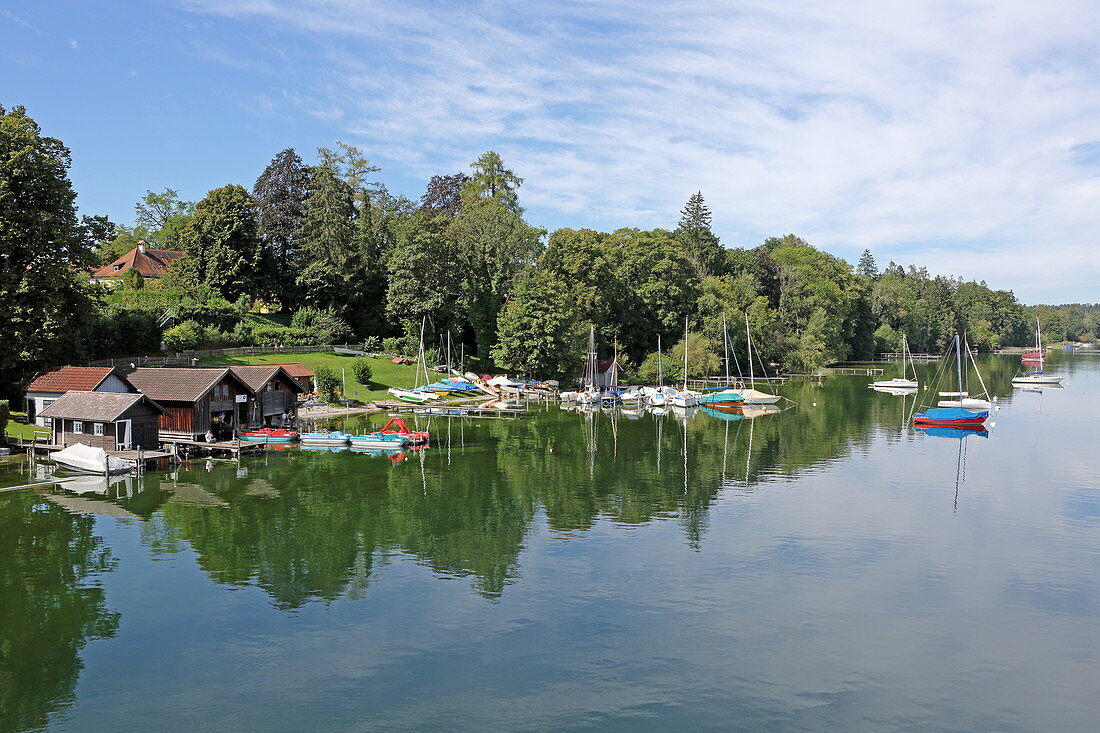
(323, 252)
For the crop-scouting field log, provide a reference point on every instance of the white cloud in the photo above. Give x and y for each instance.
(74, 45)
(940, 133)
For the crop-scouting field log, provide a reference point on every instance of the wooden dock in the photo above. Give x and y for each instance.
(185, 447)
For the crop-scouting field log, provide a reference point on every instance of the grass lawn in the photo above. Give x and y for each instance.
(386, 374)
(18, 428)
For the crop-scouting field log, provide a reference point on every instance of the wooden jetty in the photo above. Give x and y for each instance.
(186, 447)
(898, 356)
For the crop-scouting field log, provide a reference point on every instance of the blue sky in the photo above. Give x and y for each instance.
(964, 136)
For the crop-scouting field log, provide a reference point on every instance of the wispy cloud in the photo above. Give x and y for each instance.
(961, 134)
(74, 45)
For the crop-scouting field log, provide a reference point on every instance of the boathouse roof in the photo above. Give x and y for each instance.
(96, 406)
(256, 376)
(179, 384)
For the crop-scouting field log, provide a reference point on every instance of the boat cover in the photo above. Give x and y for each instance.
(951, 414)
(86, 458)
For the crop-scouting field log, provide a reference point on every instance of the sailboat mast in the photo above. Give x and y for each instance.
(685, 353)
(748, 340)
(726, 348)
(958, 364)
(660, 360)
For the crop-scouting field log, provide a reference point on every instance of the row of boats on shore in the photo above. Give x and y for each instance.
(394, 434)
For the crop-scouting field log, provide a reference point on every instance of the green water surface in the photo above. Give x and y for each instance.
(826, 567)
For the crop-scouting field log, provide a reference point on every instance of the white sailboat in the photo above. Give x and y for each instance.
(685, 397)
(753, 396)
(1039, 376)
(902, 382)
(657, 397)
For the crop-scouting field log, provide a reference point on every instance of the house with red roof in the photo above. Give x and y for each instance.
(301, 374)
(47, 387)
(148, 262)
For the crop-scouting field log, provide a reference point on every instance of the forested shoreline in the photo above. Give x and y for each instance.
(321, 251)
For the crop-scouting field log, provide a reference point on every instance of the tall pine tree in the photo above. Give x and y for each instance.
(280, 193)
(327, 237)
(700, 243)
(494, 183)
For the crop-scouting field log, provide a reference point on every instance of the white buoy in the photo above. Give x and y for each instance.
(993, 424)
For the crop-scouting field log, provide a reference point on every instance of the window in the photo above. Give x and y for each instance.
(97, 428)
(78, 426)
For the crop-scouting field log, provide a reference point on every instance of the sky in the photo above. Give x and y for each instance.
(960, 136)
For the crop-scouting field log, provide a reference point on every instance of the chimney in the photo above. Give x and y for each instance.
(141, 246)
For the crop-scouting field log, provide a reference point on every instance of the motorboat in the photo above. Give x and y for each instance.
(1037, 378)
(896, 383)
(898, 391)
(685, 398)
(334, 438)
(86, 459)
(632, 396)
(268, 435)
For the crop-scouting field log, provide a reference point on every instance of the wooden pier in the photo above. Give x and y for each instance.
(186, 447)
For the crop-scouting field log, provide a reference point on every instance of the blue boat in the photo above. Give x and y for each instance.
(958, 433)
(951, 416)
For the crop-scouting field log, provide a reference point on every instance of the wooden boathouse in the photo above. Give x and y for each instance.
(113, 421)
(195, 400)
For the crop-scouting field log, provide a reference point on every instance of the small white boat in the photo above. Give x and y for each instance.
(86, 459)
(967, 403)
(899, 391)
(632, 396)
(897, 383)
(658, 399)
(685, 398)
(1037, 378)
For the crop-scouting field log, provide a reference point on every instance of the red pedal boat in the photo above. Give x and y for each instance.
(268, 435)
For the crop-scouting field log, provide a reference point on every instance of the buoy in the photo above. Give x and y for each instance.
(993, 424)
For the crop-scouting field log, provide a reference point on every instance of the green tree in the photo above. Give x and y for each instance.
(185, 336)
(494, 246)
(328, 384)
(702, 360)
(223, 248)
(539, 334)
(163, 216)
(362, 370)
(867, 267)
(327, 236)
(43, 306)
(5, 414)
(280, 193)
(443, 196)
(492, 182)
(659, 288)
(700, 243)
(425, 275)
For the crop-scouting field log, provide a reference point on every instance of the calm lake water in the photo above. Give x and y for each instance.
(823, 568)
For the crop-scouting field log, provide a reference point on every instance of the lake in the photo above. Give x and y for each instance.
(826, 567)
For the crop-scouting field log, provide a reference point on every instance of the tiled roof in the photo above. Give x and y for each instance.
(297, 370)
(63, 379)
(95, 406)
(255, 377)
(176, 384)
(148, 262)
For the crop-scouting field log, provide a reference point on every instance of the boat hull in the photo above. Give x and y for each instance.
(1037, 380)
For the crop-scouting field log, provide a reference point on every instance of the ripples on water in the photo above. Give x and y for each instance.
(826, 567)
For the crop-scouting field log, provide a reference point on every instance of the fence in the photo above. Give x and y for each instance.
(184, 358)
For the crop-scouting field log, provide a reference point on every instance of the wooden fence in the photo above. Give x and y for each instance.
(186, 358)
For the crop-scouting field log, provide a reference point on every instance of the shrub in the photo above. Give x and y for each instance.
(327, 383)
(187, 335)
(324, 323)
(372, 343)
(5, 413)
(362, 370)
(272, 335)
(392, 345)
(431, 357)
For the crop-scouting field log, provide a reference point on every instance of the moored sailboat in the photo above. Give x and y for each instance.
(952, 416)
